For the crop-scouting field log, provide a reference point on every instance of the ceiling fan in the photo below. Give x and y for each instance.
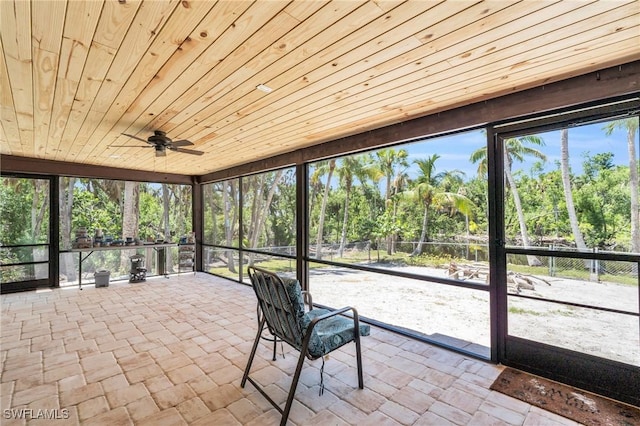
(161, 142)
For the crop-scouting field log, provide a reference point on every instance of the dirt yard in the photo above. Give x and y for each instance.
(460, 316)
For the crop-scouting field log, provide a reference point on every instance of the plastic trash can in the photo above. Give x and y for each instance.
(102, 278)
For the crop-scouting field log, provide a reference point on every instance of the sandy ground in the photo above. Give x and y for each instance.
(460, 316)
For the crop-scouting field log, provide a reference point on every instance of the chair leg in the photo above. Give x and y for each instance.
(275, 347)
(292, 390)
(359, 361)
(253, 354)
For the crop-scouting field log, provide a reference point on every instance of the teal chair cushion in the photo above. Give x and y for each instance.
(331, 333)
(328, 334)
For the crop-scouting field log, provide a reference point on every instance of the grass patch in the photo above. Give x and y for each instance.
(558, 312)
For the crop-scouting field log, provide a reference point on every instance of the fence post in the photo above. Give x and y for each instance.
(595, 268)
(552, 263)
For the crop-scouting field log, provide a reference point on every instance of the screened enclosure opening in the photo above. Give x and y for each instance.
(112, 215)
(417, 209)
(572, 227)
(24, 231)
(250, 221)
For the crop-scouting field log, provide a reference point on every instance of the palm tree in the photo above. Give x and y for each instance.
(429, 190)
(323, 167)
(353, 167)
(568, 194)
(514, 149)
(631, 126)
(392, 164)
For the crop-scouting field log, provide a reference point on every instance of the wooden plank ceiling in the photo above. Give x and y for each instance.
(76, 75)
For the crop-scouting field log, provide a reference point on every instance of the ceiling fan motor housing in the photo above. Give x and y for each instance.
(159, 138)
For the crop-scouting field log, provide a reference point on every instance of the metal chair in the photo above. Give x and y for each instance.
(314, 334)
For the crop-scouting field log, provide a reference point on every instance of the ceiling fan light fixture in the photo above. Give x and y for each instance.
(160, 151)
(264, 88)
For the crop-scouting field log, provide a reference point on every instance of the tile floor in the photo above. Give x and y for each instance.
(172, 352)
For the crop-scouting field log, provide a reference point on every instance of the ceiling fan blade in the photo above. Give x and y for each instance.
(135, 137)
(130, 146)
(182, 142)
(186, 151)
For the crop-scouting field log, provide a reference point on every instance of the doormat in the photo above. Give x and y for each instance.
(578, 405)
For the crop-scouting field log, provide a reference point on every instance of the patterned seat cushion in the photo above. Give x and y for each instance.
(327, 335)
(331, 333)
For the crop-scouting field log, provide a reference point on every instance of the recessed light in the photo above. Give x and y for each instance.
(264, 88)
(114, 156)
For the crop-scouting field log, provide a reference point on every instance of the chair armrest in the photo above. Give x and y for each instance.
(316, 320)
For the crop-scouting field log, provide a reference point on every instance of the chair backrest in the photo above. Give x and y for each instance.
(281, 303)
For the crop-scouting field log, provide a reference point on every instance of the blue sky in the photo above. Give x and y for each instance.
(455, 150)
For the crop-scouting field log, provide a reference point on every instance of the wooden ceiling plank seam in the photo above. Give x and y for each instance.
(308, 63)
(335, 84)
(281, 138)
(146, 25)
(112, 27)
(257, 76)
(102, 130)
(15, 15)
(266, 21)
(359, 56)
(149, 31)
(607, 83)
(385, 106)
(208, 76)
(308, 92)
(115, 20)
(5, 149)
(227, 114)
(302, 10)
(200, 39)
(47, 27)
(314, 106)
(11, 142)
(388, 5)
(81, 21)
(172, 36)
(544, 50)
(143, 31)
(233, 75)
(192, 74)
(447, 93)
(305, 92)
(498, 90)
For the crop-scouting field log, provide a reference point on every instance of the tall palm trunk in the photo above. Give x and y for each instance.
(531, 260)
(568, 194)
(423, 233)
(633, 185)
(323, 207)
(345, 220)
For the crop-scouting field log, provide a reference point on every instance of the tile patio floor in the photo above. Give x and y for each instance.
(172, 352)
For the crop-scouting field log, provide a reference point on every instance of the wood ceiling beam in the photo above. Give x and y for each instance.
(13, 164)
